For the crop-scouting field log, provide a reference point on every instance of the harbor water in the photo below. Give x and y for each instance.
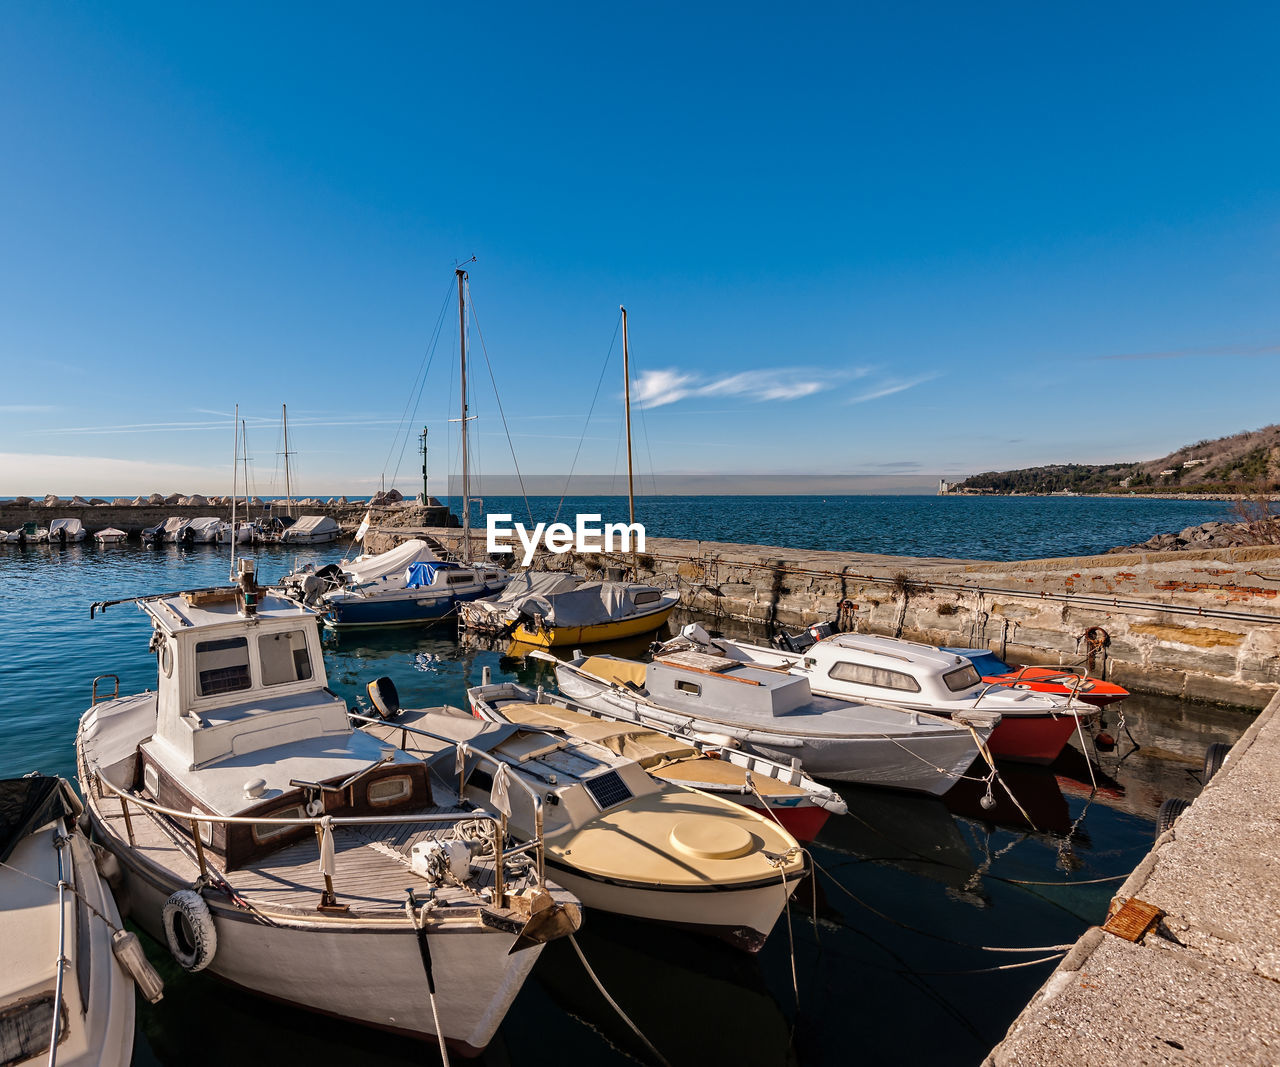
(887, 939)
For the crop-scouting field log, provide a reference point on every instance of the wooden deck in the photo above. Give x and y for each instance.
(371, 866)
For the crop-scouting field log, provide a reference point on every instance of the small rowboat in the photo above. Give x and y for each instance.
(1061, 683)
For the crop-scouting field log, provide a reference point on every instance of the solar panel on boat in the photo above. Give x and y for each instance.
(607, 789)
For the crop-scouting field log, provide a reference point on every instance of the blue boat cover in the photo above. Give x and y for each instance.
(420, 574)
(986, 662)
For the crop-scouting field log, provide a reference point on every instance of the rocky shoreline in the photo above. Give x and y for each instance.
(1210, 535)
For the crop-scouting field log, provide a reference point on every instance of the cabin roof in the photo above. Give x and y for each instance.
(181, 612)
(892, 651)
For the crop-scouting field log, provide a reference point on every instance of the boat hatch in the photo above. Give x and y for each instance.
(608, 789)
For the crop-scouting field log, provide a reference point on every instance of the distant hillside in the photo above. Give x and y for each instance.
(1244, 462)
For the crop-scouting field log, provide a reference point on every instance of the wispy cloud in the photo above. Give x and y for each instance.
(657, 388)
(889, 387)
(1201, 352)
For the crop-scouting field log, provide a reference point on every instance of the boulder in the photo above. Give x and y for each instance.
(97, 502)
(172, 498)
(52, 500)
(79, 502)
(22, 501)
(155, 498)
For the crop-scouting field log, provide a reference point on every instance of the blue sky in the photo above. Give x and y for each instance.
(852, 239)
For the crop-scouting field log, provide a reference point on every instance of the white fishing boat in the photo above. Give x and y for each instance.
(776, 714)
(67, 531)
(66, 997)
(312, 530)
(783, 792)
(1033, 728)
(264, 838)
(620, 839)
(110, 536)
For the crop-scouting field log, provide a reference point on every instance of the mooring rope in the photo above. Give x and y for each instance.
(614, 1004)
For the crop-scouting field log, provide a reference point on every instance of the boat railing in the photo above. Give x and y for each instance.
(484, 757)
(1073, 689)
(115, 692)
(105, 788)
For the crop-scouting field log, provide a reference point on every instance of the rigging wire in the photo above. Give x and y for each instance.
(595, 396)
(502, 414)
(415, 390)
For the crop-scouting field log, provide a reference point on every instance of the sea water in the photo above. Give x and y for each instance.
(883, 938)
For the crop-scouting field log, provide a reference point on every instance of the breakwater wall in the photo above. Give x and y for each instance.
(1199, 625)
(134, 518)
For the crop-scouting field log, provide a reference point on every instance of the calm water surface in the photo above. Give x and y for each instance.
(866, 982)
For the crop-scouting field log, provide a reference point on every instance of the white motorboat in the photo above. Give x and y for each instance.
(67, 531)
(312, 530)
(110, 536)
(201, 531)
(264, 838)
(164, 532)
(1034, 727)
(783, 792)
(776, 714)
(62, 985)
(620, 839)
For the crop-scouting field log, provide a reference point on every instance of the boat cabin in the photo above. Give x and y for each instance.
(245, 724)
(876, 667)
(706, 684)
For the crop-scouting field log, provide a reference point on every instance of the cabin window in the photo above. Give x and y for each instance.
(264, 832)
(389, 790)
(222, 666)
(206, 828)
(651, 596)
(284, 657)
(962, 678)
(151, 779)
(689, 687)
(864, 674)
(459, 579)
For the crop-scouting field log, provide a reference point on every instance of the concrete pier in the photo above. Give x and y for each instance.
(1197, 625)
(1204, 987)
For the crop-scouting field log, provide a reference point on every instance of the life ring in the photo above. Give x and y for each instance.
(189, 930)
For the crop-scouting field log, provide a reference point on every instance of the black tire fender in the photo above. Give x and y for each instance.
(1169, 812)
(189, 930)
(1214, 757)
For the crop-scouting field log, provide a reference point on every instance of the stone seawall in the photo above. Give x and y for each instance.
(1200, 625)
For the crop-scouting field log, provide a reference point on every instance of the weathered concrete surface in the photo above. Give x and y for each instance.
(1160, 610)
(1212, 996)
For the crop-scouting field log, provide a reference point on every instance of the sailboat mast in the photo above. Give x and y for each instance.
(288, 487)
(425, 497)
(466, 484)
(626, 392)
(235, 471)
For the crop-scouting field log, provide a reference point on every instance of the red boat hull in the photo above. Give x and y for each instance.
(802, 823)
(1031, 738)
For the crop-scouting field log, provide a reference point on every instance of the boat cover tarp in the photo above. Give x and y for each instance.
(26, 804)
(393, 562)
(309, 526)
(72, 526)
(525, 584)
(204, 524)
(649, 748)
(417, 575)
(588, 605)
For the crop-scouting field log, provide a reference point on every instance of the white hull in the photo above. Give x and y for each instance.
(743, 916)
(925, 763)
(367, 971)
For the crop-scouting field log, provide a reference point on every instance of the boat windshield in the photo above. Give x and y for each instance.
(962, 678)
